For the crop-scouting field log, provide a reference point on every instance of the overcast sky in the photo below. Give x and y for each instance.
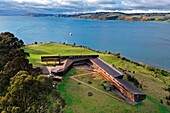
(75, 6)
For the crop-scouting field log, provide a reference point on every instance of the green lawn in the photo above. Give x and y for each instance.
(76, 95)
(96, 80)
(36, 51)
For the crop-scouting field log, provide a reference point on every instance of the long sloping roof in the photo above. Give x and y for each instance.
(128, 86)
(107, 68)
(115, 73)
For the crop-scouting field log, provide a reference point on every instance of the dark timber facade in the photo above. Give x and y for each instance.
(111, 74)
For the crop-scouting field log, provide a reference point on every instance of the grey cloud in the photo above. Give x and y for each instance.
(85, 5)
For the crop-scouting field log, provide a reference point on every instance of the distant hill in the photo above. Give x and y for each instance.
(38, 15)
(126, 17)
(165, 17)
(47, 15)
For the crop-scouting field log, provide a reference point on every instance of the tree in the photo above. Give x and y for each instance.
(35, 42)
(56, 103)
(27, 93)
(22, 88)
(74, 44)
(12, 60)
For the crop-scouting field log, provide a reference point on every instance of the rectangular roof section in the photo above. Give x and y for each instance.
(46, 58)
(107, 68)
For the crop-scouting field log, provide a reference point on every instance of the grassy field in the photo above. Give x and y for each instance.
(96, 80)
(78, 101)
(36, 51)
(76, 95)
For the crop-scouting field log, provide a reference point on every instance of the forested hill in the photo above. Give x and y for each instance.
(126, 17)
(22, 88)
(165, 17)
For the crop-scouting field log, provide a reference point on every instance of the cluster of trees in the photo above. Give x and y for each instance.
(158, 72)
(133, 80)
(22, 88)
(107, 52)
(12, 60)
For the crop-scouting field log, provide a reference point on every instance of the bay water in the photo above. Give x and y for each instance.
(147, 42)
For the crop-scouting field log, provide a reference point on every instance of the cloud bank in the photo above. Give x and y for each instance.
(76, 6)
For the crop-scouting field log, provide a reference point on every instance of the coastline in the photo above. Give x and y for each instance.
(132, 17)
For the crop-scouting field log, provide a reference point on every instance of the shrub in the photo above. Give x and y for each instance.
(89, 82)
(105, 51)
(168, 97)
(127, 60)
(140, 86)
(79, 83)
(96, 51)
(161, 101)
(108, 52)
(35, 42)
(122, 57)
(80, 46)
(74, 44)
(117, 54)
(90, 94)
(134, 81)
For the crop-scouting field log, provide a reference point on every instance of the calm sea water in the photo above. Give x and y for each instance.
(147, 42)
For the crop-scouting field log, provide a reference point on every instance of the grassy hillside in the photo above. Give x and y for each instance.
(78, 101)
(153, 84)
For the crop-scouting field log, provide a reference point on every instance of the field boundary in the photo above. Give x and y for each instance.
(73, 78)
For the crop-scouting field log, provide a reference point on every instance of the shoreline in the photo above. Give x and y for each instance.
(97, 19)
(132, 17)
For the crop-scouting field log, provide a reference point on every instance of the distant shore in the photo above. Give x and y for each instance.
(152, 17)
